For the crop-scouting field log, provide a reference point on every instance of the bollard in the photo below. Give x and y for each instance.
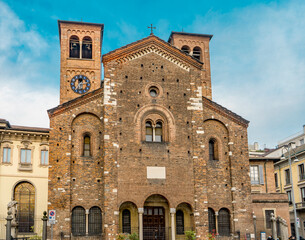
(44, 226)
(8, 225)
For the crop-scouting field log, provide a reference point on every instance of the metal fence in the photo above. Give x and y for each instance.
(37, 229)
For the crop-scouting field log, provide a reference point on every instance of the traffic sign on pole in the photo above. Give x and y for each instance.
(52, 216)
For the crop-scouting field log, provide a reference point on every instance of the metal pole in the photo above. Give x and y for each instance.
(44, 226)
(292, 191)
(8, 225)
(52, 231)
(254, 222)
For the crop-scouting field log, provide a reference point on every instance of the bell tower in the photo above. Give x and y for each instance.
(80, 58)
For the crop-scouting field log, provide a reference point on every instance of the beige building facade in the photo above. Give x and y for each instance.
(23, 176)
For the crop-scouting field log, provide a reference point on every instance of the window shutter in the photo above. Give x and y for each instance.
(261, 174)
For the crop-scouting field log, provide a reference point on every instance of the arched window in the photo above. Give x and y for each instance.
(95, 221)
(78, 221)
(149, 131)
(179, 222)
(197, 53)
(126, 221)
(212, 221)
(74, 47)
(24, 194)
(158, 132)
(186, 49)
(87, 146)
(87, 48)
(213, 149)
(224, 222)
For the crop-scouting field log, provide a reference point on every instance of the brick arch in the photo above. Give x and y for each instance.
(146, 196)
(145, 111)
(81, 113)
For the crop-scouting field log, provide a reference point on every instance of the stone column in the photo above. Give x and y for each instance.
(87, 221)
(273, 220)
(8, 225)
(44, 226)
(216, 223)
(173, 227)
(140, 211)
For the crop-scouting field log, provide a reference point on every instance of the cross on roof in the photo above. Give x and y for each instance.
(151, 29)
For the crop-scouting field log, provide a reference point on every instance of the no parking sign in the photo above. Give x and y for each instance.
(52, 216)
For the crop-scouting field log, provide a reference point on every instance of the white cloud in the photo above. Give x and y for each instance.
(24, 96)
(257, 60)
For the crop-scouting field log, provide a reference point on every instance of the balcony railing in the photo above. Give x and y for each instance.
(300, 205)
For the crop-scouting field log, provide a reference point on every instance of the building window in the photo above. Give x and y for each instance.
(186, 49)
(153, 133)
(87, 146)
(302, 141)
(126, 221)
(24, 194)
(44, 159)
(224, 222)
(74, 47)
(213, 149)
(25, 156)
(212, 221)
(301, 172)
(287, 176)
(87, 48)
(254, 174)
(179, 222)
(197, 53)
(6, 158)
(78, 221)
(268, 218)
(95, 221)
(289, 197)
(276, 180)
(303, 194)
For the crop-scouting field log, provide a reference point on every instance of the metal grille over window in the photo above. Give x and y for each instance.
(95, 221)
(149, 132)
(186, 49)
(212, 221)
(74, 47)
(158, 131)
(78, 221)
(87, 146)
(126, 221)
(87, 48)
(6, 155)
(24, 194)
(224, 222)
(180, 222)
(197, 53)
(268, 218)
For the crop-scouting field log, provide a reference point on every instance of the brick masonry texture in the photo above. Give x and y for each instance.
(114, 115)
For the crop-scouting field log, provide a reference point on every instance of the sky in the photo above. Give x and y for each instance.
(257, 54)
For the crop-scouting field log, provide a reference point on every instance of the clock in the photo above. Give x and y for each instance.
(80, 84)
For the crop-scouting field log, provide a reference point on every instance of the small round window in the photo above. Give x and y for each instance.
(153, 92)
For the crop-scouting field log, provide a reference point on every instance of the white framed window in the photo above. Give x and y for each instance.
(44, 157)
(25, 156)
(6, 157)
(254, 174)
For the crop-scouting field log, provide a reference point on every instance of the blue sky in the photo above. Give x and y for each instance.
(257, 54)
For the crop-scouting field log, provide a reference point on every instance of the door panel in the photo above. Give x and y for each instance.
(154, 223)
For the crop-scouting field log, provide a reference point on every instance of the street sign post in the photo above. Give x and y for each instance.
(52, 218)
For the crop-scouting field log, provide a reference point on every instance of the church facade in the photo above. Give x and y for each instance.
(146, 150)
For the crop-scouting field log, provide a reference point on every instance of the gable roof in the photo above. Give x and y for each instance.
(225, 112)
(151, 40)
(75, 102)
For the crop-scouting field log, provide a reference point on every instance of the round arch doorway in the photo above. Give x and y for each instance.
(155, 218)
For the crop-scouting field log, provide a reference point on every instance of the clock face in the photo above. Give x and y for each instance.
(80, 84)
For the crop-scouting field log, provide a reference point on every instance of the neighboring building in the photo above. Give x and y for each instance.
(146, 151)
(265, 198)
(23, 175)
(283, 183)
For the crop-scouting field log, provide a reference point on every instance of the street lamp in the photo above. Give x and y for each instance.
(288, 147)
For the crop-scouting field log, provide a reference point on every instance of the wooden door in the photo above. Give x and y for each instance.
(154, 223)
